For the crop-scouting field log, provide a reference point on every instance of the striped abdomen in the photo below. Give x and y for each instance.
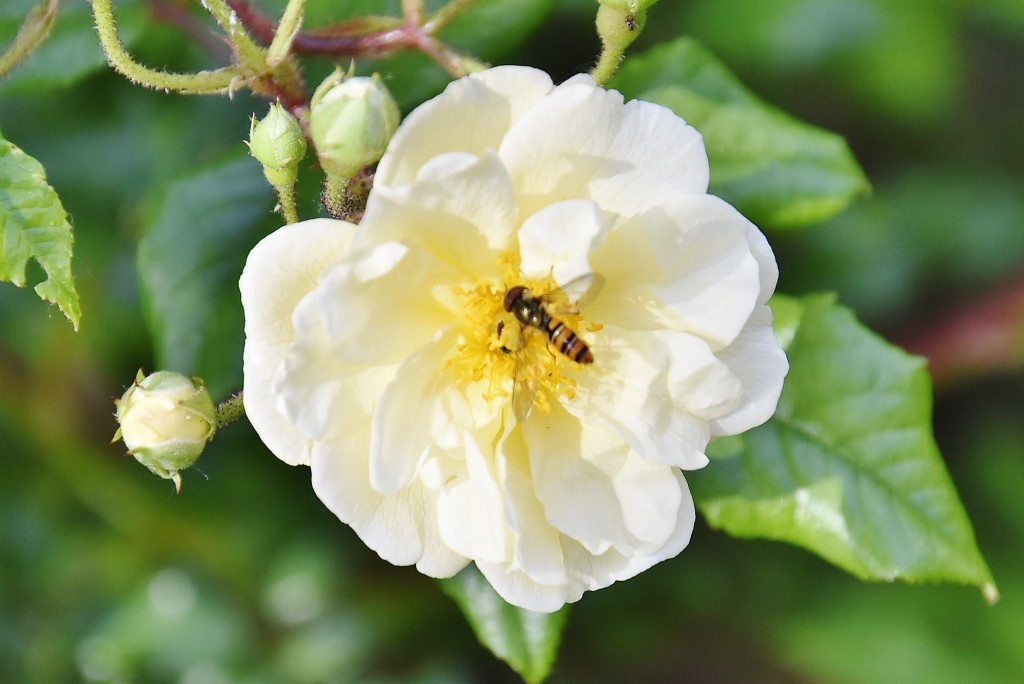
(530, 311)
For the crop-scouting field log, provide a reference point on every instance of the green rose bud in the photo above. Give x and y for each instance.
(165, 420)
(277, 142)
(351, 121)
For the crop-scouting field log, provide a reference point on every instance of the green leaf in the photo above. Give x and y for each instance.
(847, 467)
(775, 169)
(526, 640)
(34, 225)
(189, 260)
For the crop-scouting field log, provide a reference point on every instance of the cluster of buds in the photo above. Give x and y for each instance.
(350, 122)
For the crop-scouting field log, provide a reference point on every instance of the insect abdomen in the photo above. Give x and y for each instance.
(567, 341)
(530, 312)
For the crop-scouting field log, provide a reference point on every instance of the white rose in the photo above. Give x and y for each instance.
(383, 357)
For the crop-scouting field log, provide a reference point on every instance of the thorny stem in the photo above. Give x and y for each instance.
(204, 82)
(607, 64)
(334, 194)
(279, 76)
(411, 33)
(287, 29)
(286, 202)
(230, 410)
(248, 51)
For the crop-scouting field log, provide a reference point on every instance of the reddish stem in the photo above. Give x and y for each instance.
(326, 41)
(986, 336)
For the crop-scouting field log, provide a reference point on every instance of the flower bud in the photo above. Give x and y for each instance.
(351, 121)
(165, 420)
(277, 142)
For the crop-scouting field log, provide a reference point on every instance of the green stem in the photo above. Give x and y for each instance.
(334, 194)
(230, 410)
(33, 31)
(291, 23)
(205, 82)
(618, 28)
(607, 64)
(286, 202)
(442, 17)
(249, 52)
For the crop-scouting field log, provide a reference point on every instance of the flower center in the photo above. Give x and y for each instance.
(496, 351)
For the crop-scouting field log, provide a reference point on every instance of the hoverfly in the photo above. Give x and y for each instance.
(542, 312)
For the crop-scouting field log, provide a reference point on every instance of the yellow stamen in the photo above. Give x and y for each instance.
(494, 347)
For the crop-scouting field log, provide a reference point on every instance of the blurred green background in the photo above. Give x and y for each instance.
(107, 575)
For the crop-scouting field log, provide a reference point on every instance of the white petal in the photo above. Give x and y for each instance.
(557, 239)
(418, 410)
(470, 510)
(762, 251)
(401, 527)
(586, 571)
(321, 395)
(687, 265)
(756, 358)
(655, 390)
(519, 589)
(471, 115)
(382, 303)
(596, 489)
(582, 142)
(538, 550)
(597, 572)
(280, 270)
(462, 210)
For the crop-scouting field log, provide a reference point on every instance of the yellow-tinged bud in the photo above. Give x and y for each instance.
(165, 420)
(278, 143)
(351, 121)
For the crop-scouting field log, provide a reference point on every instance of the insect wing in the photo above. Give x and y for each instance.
(573, 294)
(524, 392)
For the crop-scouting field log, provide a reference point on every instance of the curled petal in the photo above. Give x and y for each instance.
(756, 358)
(586, 571)
(618, 499)
(401, 527)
